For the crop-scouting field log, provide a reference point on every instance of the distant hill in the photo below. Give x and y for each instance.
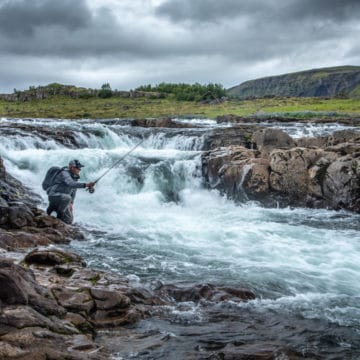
(328, 82)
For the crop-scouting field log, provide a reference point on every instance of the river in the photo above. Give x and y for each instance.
(152, 219)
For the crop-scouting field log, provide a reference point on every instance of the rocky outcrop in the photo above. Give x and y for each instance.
(53, 305)
(22, 223)
(322, 172)
(45, 92)
(326, 82)
(50, 313)
(60, 136)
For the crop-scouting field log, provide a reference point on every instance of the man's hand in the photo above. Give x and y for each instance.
(90, 187)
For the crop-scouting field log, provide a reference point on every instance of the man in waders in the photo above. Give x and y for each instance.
(62, 191)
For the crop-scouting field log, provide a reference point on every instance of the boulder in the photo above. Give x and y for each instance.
(341, 183)
(18, 286)
(256, 180)
(107, 299)
(289, 170)
(268, 139)
(76, 300)
(53, 257)
(240, 135)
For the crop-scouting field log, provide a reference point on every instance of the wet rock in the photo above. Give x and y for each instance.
(206, 292)
(64, 137)
(81, 323)
(106, 299)
(19, 215)
(115, 318)
(77, 300)
(52, 257)
(256, 181)
(267, 140)
(226, 163)
(14, 240)
(314, 142)
(8, 351)
(341, 183)
(25, 316)
(164, 122)
(144, 297)
(279, 172)
(289, 170)
(240, 135)
(18, 286)
(41, 343)
(343, 136)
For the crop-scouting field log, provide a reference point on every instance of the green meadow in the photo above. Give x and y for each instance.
(118, 107)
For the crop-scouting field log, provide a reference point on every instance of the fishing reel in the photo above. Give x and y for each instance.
(91, 190)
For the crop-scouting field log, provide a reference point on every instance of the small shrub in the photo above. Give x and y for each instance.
(105, 91)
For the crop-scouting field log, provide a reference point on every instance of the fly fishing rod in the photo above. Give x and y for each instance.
(92, 190)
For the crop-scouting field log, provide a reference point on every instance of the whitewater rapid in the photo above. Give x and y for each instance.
(151, 219)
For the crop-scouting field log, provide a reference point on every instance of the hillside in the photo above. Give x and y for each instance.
(326, 82)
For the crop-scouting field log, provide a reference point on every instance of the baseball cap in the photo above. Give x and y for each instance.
(76, 163)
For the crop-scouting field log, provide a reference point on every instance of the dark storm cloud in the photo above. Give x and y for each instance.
(243, 30)
(281, 10)
(209, 40)
(22, 18)
(335, 10)
(210, 10)
(255, 30)
(66, 28)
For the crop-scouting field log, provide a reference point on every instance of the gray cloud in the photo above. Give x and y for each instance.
(23, 18)
(335, 10)
(180, 40)
(281, 10)
(211, 10)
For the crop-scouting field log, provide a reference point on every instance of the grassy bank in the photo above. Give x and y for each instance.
(116, 107)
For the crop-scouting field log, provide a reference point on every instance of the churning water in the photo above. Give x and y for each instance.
(152, 219)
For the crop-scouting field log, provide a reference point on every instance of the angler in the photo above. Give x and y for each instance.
(60, 185)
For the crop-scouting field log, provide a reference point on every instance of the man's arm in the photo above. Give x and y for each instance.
(70, 182)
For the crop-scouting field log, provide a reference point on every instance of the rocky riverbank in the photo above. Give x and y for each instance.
(51, 304)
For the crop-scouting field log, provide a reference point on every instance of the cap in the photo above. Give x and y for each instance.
(76, 163)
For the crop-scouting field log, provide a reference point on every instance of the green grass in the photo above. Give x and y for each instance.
(70, 108)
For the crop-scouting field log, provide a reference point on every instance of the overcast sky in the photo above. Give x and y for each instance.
(128, 43)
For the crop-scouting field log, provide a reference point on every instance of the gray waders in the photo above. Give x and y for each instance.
(61, 205)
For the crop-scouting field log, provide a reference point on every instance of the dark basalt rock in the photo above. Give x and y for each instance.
(164, 123)
(53, 257)
(22, 224)
(322, 172)
(240, 135)
(204, 292)
(44, 314)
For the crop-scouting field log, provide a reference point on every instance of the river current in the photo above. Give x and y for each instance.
(152, 219)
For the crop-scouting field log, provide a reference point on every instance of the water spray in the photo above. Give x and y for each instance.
(92, 190)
